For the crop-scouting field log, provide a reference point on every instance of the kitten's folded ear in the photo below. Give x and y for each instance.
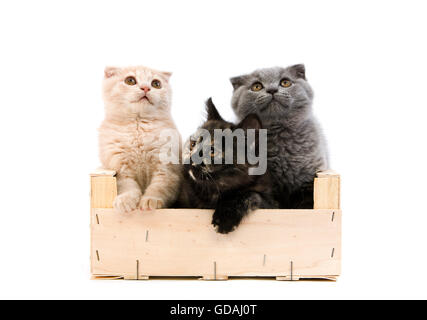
(110, 72)
(166, 74)
(212, 112)
(237, 81)
(252, 121)
(298, 71)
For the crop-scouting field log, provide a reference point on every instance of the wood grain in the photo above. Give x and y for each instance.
(283, 244)
(103, 172)
(182, 242)
(327, 191)
(103, 191)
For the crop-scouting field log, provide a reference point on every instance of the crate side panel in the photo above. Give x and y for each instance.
(174, 242)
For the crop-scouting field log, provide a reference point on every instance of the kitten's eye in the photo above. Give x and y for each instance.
(286, 83)
(257, 86)
(156, 84)
(131, 81)
(192, 144)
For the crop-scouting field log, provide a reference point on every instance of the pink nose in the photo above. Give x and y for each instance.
(146, 89)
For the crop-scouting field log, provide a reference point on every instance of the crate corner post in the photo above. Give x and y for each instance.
(327, 189)
(103, 191)
(103, 187)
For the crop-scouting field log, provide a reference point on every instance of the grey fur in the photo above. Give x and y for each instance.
(296, 146)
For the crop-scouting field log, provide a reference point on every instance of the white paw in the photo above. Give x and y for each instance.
(151, 203)
(127, 202)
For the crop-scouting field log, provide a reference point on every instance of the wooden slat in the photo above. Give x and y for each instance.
(214, 278)
(307, 277)
(103, 172)
(327, 191)
(327, 173)
(288, 278)
(182, 242)
(103, 191)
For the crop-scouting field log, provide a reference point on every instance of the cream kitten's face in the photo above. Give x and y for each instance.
(136, 91)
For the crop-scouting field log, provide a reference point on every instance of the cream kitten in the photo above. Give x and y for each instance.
(137, 109)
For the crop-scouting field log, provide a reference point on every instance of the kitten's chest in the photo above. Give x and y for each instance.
(289, 155)
(134, 147)
(201, 196)
(139, 141)
(289, 145)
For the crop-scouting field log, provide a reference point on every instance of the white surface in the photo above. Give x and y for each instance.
(366, 62)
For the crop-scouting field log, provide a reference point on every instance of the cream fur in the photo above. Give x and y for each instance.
(129, 139)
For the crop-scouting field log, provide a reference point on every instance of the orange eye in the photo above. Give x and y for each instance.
(192, 144)
(130, 81)
(156, 84)
(286, 83)
(257, 86)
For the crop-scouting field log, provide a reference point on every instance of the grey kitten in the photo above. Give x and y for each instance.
(297, 150)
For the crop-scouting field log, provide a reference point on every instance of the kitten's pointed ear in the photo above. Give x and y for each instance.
(298, 71)
(212, 112)
(110, 72)
(237, 81)
(252, 121)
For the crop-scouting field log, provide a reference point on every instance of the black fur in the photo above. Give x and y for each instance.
(227, 188)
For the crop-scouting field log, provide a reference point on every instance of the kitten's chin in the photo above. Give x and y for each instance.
(276, 103)
(274, 108)
(143, 100)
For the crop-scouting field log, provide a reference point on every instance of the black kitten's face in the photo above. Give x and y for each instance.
(212, 168)
(217, 162)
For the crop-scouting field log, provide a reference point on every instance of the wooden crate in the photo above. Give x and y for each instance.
(284, 244)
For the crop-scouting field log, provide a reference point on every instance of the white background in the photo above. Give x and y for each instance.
(367, 62)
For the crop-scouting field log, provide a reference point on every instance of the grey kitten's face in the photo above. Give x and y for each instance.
(272, 93)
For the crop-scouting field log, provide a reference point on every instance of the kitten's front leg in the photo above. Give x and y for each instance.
(231, 210)
(129, 195)
(162, 190)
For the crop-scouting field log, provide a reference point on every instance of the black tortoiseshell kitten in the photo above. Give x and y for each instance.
(227, 188)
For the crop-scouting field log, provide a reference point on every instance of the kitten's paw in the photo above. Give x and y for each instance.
(127, 202)
(225, 221)
(151, 203)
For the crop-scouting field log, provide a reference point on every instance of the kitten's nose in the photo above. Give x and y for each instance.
(272, 90)
(146, 89)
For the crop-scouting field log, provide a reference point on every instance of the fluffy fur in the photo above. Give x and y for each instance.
(296, 146)
(135, 115)
(227, 188)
